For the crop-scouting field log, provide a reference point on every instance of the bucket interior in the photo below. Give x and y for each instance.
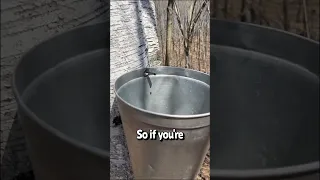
(73, 98)
(266, 112)
(265, 101)
(167, 94)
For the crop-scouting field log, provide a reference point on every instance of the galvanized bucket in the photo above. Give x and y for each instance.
(163, 99)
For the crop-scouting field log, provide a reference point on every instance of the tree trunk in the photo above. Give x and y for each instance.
(286, 21)
(179, 57)
(169, 39)
(217, 13)
(199, 51)
(226, 8)
(187, 54)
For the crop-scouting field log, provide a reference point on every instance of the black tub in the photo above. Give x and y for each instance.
(62, 90)
(265, 111)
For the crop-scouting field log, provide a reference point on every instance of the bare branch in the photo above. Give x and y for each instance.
(180, 25)
(203, 6)
(192, 12)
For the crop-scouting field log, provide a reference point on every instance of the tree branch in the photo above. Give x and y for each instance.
(177, 12)
(203, 6)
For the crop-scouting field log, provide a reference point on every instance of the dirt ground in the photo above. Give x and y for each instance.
(205, 169)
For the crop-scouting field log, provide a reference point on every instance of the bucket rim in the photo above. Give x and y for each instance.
(163, 115)
(266, 28)
(281, 172)
(21, 104)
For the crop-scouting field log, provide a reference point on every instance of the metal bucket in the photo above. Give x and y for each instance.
(61, 87)
(173, 98)
(265, 103)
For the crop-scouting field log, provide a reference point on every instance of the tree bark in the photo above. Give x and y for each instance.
(286, 21)
(169, 39)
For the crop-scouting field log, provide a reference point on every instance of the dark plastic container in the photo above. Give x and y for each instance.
(265, 107)
(61, 87)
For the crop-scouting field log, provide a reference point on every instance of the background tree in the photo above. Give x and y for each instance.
(169, 39)
(187, 30)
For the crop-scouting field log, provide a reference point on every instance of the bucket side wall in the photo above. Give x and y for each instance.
(155, 159)
(53, 158)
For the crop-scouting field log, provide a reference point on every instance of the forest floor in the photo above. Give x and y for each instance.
(205, 169)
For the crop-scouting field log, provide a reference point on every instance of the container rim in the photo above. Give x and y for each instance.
(161, 114)
(281, 172)
(76, 143)
(267, 28)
